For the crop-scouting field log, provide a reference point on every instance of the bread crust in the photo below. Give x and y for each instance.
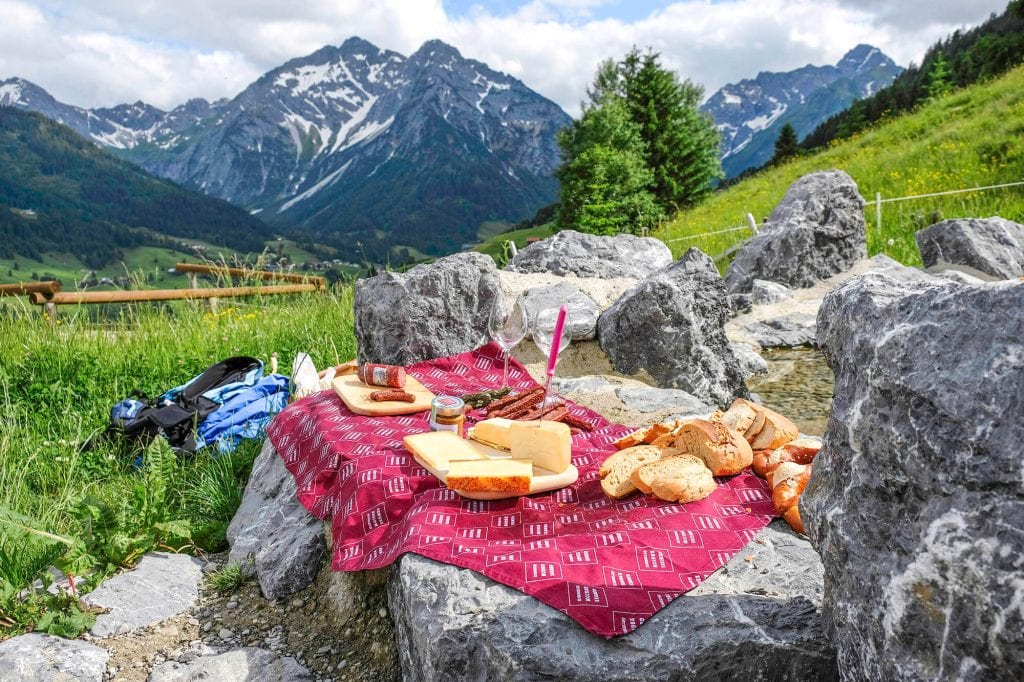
(722, 450)
(740, 415)
(777, 431)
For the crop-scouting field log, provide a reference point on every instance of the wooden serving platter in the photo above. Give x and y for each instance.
(543, 480)
(356, 396)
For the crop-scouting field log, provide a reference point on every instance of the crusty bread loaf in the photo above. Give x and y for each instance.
(740, 415)
(677, 479)
(755, 426)
(616, 470)
(776, 432)
(722, 450)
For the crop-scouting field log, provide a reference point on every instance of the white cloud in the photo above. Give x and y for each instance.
(100, 53)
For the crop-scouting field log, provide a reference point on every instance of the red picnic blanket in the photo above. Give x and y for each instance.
(608, 564)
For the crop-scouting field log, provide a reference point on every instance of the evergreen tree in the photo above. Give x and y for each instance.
(681, 142)
(939, 77)
(786, 144)
(605, 181)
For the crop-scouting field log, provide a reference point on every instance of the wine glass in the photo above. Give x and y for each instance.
(507, 328)
(543, 335)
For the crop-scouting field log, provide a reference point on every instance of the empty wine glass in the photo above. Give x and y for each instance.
(507, 327)
(543, 335)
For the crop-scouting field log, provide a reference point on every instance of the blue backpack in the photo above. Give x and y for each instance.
(183, 414)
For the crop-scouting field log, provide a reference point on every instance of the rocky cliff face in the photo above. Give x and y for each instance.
(351, 143)
(751, 113)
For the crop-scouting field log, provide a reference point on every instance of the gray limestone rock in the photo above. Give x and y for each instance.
(431, 311)
(994, 246)
(740, 304)
(789, 331)
(583, 310)
(160, 587)
(249, 664)
(657, 399)
(589, 383)
(271, 535)
(586, 255)
(884, 265)
(42, 658)
(916, 501)
(671, 326)
(751, 362)
(756, 619)
(816, 231)
(763, 292)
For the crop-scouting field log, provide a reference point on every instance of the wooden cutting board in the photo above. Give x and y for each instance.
(356, 396)
(543, 480)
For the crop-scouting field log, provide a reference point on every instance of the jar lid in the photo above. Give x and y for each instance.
(448, 406)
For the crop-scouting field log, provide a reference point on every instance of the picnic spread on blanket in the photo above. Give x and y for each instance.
(631, 524)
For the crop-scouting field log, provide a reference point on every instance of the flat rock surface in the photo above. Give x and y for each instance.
(271, 535)
(656, 399)
(790, 331)
(36, 657)
(161, 586)
(249, 664)
(925, 425)
(585, 255)
(756, 618)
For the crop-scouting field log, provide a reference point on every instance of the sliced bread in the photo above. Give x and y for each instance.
(740, 415)
(644, 436)
(776, 432)
(722, 450)
(616, 470)
(676, 479)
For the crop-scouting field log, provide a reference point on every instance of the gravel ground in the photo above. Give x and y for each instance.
(359, 645)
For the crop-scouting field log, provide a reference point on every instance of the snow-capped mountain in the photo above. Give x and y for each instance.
(751, 113)
(350, 143)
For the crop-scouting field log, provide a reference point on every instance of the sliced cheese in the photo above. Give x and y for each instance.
(490, 475)
(437, 448)
(547, 444)
(493, 432)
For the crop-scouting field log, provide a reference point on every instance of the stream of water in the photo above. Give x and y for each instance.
(799, 385)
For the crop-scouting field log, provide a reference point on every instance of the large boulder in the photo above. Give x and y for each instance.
(756, 618)
(993, 245)
(272, 536)
(431, 311)
(160, 587)
(42, 658)
(816, 231)
(670, 326)
(788, 331)
(586, 255)
(916, 502)
(583, 309)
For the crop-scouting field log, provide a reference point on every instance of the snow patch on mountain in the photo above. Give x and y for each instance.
(324, 182)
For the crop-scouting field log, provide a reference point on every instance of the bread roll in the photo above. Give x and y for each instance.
(788, 484)
(675, 479)
(802, 451)
(776, 432)
(722, 450)
(616, 470)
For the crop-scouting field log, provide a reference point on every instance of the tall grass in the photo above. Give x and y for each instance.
(57, 385)
(971, 138)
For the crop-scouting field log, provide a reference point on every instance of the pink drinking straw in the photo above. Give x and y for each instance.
(556, 347)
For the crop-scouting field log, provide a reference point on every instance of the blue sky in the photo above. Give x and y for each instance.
(105, 52)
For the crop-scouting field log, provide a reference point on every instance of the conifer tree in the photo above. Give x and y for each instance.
(939, 77)
(786, 144)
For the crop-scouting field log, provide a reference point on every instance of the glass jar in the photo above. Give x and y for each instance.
(448, 413)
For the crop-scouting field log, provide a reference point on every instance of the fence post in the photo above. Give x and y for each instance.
(878, 212)
(752, 223)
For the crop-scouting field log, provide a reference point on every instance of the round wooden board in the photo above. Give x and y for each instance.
(356, 396)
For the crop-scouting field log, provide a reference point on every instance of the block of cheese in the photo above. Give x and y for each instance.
(437, 448)
(490, 475)
(547, 444)
(493, 432)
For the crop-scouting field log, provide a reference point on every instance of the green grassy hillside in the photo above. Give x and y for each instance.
(973, 137)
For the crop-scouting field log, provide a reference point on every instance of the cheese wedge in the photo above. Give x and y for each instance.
(490, 475)
(493, 432)
(547, 444)
(437, 448)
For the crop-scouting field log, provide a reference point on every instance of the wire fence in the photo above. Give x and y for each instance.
(752, 226)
